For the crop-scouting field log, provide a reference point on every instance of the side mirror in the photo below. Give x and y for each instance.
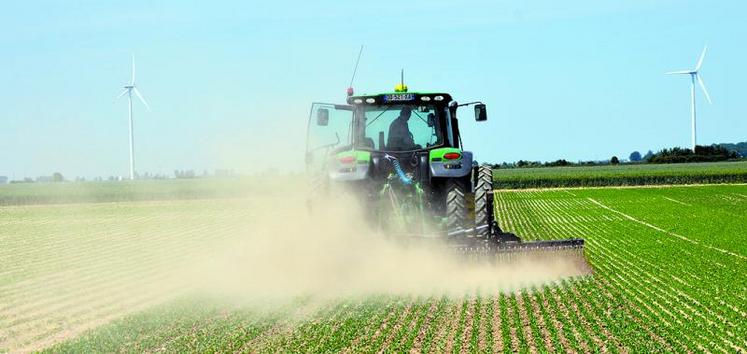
(481, 113)
(322, 117)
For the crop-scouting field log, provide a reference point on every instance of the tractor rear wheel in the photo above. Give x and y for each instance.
(456, 205)
(483, 210)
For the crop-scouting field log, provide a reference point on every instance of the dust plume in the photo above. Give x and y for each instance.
(69, 267)
(290, 251)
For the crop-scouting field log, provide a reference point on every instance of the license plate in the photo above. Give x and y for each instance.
(399, 97)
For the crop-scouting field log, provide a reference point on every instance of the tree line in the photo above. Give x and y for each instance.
(707, 153)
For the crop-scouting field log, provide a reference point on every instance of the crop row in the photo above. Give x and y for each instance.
(64, 279)
(621, 175)
(143, 190)
(688, 296)
(366, 325)
(651, 291)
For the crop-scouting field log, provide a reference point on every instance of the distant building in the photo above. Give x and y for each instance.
(184, 173)
(224, 173)
(3, 179)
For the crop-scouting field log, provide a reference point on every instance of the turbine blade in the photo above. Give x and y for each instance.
(122, 94)
(677, 72)
(137, 92)
(132, 82)
(700, 60)
(702, 86)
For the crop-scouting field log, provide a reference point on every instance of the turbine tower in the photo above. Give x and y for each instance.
(694, 76)
(128, 90)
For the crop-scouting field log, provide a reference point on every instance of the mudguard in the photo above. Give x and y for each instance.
(350, 166)
(442, 167)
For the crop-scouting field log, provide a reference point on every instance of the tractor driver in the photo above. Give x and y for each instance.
(400, 138)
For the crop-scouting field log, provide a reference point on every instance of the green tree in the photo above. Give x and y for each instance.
(614, 160)
(635, 156)
(57, 177)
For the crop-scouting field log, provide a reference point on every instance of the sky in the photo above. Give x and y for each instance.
(230, 83)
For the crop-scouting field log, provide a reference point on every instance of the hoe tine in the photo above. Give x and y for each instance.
(571, 251)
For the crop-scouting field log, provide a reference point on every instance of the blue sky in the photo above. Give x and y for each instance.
(230, 84)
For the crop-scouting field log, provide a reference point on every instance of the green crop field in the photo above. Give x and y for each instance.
(245, 187)
(121, 191)
(670, 275)
(621, 175)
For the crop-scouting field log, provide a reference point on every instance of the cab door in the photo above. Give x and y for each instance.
(329, 129)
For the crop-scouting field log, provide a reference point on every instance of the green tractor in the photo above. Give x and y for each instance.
(401, 154)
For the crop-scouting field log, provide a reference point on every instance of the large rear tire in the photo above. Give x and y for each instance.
(483, 210)
(456, 205)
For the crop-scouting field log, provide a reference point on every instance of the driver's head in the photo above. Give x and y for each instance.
(405, 113)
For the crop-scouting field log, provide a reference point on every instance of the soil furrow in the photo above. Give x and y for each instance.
(451, 320)
(417, 344)
(497, 325)
(469, 325)
(366, 332)
(396, 327)
(484, 327)
(532, 307)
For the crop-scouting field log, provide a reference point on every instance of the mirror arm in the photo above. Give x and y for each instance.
(469, 103)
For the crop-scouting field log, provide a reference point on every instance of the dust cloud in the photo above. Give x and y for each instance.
(331, 251)
(70, 267)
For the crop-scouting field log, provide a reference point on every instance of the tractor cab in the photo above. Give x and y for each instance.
(367, 121)
(403, 122)
(414, 127)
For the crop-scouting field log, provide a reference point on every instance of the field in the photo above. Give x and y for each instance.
(123, 191)
(670, 275)
(621, 175)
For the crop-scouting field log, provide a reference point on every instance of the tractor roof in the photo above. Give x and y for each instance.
(401, 98)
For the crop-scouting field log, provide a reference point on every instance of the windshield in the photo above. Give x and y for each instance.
(399, 127)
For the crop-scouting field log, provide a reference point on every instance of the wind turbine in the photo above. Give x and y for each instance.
(694, 76)
(128, 90)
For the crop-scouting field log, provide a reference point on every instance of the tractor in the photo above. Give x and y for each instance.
(401, 154)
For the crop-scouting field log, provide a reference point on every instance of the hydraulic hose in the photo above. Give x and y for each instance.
(398, 170)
